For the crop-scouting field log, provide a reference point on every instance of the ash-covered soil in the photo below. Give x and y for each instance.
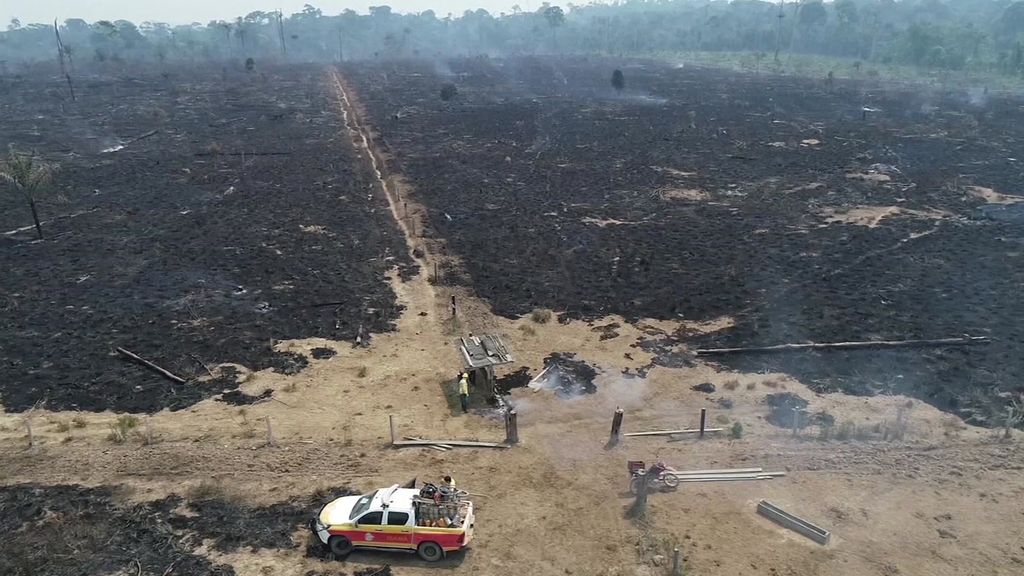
(227, 229)
(698, 193)
(72, 530)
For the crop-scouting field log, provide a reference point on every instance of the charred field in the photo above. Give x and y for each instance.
(198, 216)
(804, 210)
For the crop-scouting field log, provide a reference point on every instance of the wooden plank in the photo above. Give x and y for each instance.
(962, 341)
(726, 479)
(453, 443)
(722, 471)
(794, 523)
(670, 432)
(718, 476)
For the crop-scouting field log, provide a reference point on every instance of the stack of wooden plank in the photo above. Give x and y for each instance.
(444, 445)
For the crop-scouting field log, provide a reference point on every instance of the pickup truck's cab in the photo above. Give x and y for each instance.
(396, 519)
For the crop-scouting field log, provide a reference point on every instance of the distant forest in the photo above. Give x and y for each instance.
(982, 35)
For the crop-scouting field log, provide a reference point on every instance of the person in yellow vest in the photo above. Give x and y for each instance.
(449, 482)
(464, 392)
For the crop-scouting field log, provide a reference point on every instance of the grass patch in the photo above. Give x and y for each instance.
(736, 431)
(362, 372)
(209, 490)
(731, 384)
(722, 419)
(527, 329)
(122, 428)
(61, 426)
(541, 315)
(751, 385)
(79, 421)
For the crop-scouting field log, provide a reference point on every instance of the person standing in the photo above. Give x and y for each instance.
(464, 392)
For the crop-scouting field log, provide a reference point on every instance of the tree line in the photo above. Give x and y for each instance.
(962, 34)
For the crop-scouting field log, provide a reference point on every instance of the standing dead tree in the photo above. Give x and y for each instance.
(62, 53)
(29, 176)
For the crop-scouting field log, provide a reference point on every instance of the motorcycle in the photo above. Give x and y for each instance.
(655, 478)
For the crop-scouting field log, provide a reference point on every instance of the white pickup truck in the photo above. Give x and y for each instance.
(429, 521)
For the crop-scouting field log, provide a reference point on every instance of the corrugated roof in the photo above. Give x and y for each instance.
(484, 350)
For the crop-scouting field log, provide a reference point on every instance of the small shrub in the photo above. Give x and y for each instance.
(541, 315)
(79, 421)
(527, 329)
(247, 428)
(250, 64)
(362, 372)
(771, 383)
(121, 428)
(751, 385)
(618, 80)
(61, 426)
(736, 432)
(731, 384)
(290, 387)
(722, 419)
(207, 490)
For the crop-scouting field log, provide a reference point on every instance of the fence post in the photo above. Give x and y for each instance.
(675, 563)
(703, 420)
(391, 427)
(512, 427)
(270, 433)
(616, 427)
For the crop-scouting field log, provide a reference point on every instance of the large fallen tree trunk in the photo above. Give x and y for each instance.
(962, 341)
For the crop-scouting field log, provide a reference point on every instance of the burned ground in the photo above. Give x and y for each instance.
(77, 530)
(699, 194)
(204, 242)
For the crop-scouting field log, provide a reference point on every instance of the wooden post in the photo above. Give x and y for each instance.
(640, 505)
(31, 437)
(616, 427)
(675, 563)
(512, 427)
(703, 419)
(454, 308)
(391, 426)
(270, 433)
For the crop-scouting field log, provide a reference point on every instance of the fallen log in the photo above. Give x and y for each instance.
(962, 341)
(151, 366)
(453, 443)
(671, 432)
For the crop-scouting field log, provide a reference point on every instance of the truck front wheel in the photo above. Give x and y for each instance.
(340, 546)
(430, 551)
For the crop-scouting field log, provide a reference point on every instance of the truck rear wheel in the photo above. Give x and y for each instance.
(340, 546)
(430, 551)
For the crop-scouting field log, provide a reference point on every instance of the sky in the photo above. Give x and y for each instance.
(187, 11)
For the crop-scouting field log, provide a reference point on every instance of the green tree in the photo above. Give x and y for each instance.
(27, 175)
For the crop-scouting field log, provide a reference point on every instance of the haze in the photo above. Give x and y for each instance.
(186, 11)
